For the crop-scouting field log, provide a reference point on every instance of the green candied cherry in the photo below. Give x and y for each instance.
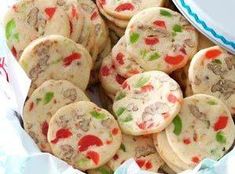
(11, 31)
(134, 37)
(177, 125)
(120, 111)
(220, 137)
(154, 56)
(98, 115)
(142, 81)
(165, 13)
(48, 97)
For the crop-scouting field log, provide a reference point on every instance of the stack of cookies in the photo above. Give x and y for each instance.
(119, 13)
(159, 58)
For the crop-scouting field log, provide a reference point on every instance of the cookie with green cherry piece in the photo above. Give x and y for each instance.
(202, 129)
(123, 61)
(161, 39)
(43, 103)
(212, 72)
(56, 57)
(84, 135)
(28, 20)
(147, 103)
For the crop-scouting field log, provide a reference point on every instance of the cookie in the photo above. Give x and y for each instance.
(101, 31)
(202, 129)
(28, 20)
(125, 10)
(167, 154)
(166, 169)
(141, 149)
(43, 103)
(147, 103)
(119, 22)
(84, 135)
(212, 72)
(161, 39)
(101, 170)
(56, 57)
(123, 62)
(110, 80)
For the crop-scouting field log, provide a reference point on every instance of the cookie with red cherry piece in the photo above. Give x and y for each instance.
(123, 61)
(204, 128)
(56, 57)
(43, 103)
(28, 20)
(212, 72)
(147, 103)
(84, 135)
(161, 39)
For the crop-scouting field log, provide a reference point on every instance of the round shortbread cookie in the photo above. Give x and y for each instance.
(203, 129)
(166, 152)
(101, 31)
(212, 72)
(56, 57)
(110, 80)
(125, 10)
(161, 39)
(120, 23)
(101, 170)
(84, 135)
(43, 103)
(147, 103)
(141, 149)
(123, 62)
(31, 19)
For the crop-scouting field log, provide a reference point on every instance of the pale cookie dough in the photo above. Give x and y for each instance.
(28, 20)
(161, 39)
(56, 57)
(166, 152)
(147, 103)
(84, 135)
(203, 129)
(212, 72)
(43, 103)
